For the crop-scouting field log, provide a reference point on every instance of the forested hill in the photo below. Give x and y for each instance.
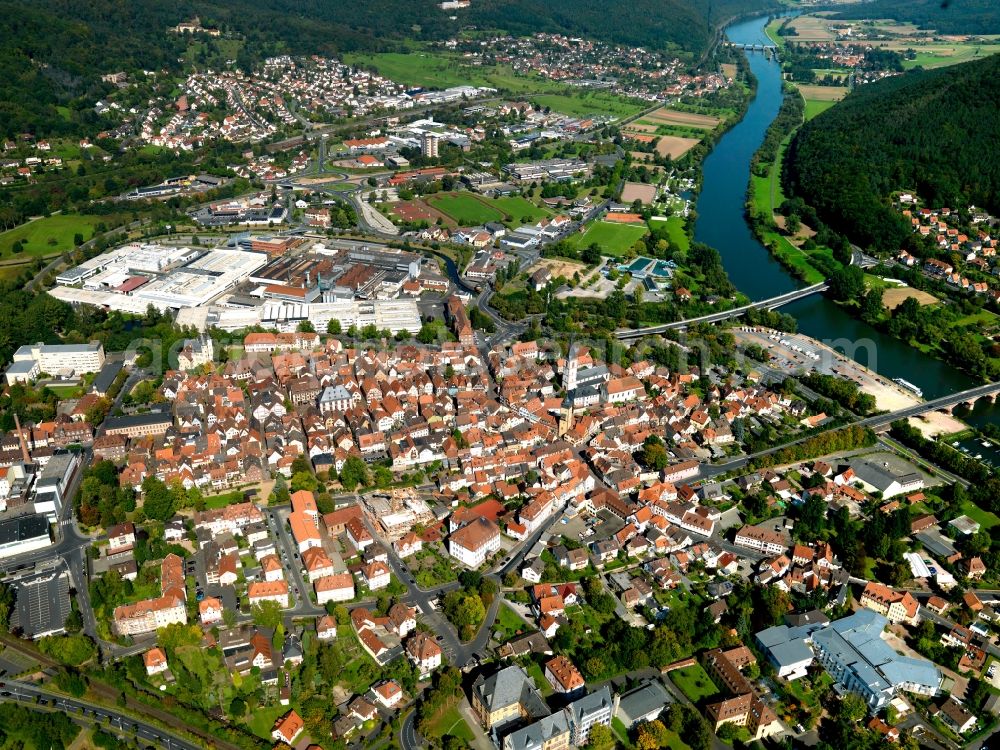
(944, 16)
(935, 132)
(54, 51)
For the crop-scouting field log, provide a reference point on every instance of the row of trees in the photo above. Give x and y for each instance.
(984, 487)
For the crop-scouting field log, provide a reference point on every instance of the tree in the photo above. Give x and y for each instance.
(852, 708)
(158, 501)
(333, 327)
(354, 473)
(304, 480)
(600, 738)
(267, 614)
(847, 284)
(654, 454)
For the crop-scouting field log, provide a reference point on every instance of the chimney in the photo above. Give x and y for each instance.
(21, 440)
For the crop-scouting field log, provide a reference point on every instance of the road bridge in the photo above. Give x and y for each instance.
(631, 334)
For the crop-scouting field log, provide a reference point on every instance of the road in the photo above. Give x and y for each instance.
(304, 606)
(87, 713)
(877, 422)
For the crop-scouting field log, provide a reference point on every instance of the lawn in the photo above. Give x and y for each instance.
(983, 517)
(508, 621)
(465, 209)
(517, 208)
(450, 721)
(694, 682)
(589, 103)
(67, 391)
(815, 107)
(49, 235)
(221, 501)
(613, 239)
(675, 230)
(534, 671)
(674, 741)
(264, 718)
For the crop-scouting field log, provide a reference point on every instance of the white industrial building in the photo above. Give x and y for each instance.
(62, 358)
(392, 315)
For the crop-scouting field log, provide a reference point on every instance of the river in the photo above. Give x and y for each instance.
(722, 224)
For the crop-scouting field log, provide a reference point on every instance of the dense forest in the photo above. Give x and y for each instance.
(947, 17)
(55, 51)
(934, 132)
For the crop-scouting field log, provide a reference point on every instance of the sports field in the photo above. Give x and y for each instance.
(49, 235)
(466, 210)
(613, 239)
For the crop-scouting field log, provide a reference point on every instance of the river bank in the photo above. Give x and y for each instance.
(722, 224)
(796, 352)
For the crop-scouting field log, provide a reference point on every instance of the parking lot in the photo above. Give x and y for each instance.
(586, 528)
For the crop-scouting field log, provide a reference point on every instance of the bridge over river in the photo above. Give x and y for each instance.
(631, 334)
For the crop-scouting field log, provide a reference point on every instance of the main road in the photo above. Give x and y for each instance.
(879, 421)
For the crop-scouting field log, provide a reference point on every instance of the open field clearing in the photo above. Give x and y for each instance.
(559, 267)
(49, 235)
(589, 103)
(417, 210)
(814, 108)
(895, 296)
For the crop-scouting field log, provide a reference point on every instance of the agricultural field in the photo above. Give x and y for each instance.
(674, 146)
(466, 210)
(812, 29)
(49, 235)
(677, 117)
(613, 239)
(822, 93)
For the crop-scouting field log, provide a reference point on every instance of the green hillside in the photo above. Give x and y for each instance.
(945, 16)
(930, 131)
(55, 51)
